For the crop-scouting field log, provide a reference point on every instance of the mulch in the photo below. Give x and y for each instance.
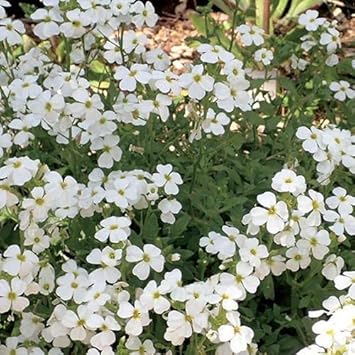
(171, 33)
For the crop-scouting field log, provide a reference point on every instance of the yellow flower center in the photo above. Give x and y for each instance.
(11, 296)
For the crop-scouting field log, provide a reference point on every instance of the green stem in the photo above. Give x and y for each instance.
(233, 30)
(194, 169)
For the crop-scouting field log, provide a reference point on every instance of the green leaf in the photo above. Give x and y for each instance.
(150, 229)
(253, 118)
(180, 225)
(287, 84)
(97, 67)
(304, 302)
(267, 287)
(299, 6)
(199, 22)
(259, 11)
(279, 9)
(225, 5)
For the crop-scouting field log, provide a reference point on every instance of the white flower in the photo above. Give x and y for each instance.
(35, 236)
(229, 296)
(72, 286)
(169, 207)
(310, 20)
(24, 135)
(17, 262)
(172, 284)
(286, 237)
(5, 141)
(75, 27)
(275, 264)
(308, 42)
(316, 241)
(149, 257)
(115, 228)
(121, 7)
(287, 181)
(244, 279)
(46, 280)
(12, 343)
(106, 336)
(138, 317)
(144, 13)
(10, 295)
(274, 215)
(264, 55)
(196, 82)
(298, 63)
(153, 298)
(47, 26)
(100, 124)
(342, 90)
(47, 108)
(181, 326)
(108, 259)
(341, 200)
(123, 193)
(129, 77)
(86, 105)
(134, 42)
(234, 236)
(312, 139)
(251, 35)
(78, 322)
(18, 171)
(314, 204)
(332, 266)
(331, 39)
(214, 54)
(3, 3)
(238, 335)
(218, 243)
(214, 123)
(111, 151)
(113, 52)
(233, 94)
(342, 223)
(346, 280)
(161, 106)
(62, 191)
(328, 334)
(167, 178)
(252, 253)
(332, 60)
(252, 228)
(299, 258)
(137, 347)
(158, 58)
(166, 82)
(39, 205)
(11, 31)
(234, 70)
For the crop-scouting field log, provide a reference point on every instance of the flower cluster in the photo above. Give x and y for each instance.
(330, 147)
(94, 261)
(335, 334)
(299, 222)
(320, 32)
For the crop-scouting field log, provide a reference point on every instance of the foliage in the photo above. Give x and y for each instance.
(280, 11)
(149, 211)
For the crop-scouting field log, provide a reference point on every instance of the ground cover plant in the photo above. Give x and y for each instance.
(145, 211)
